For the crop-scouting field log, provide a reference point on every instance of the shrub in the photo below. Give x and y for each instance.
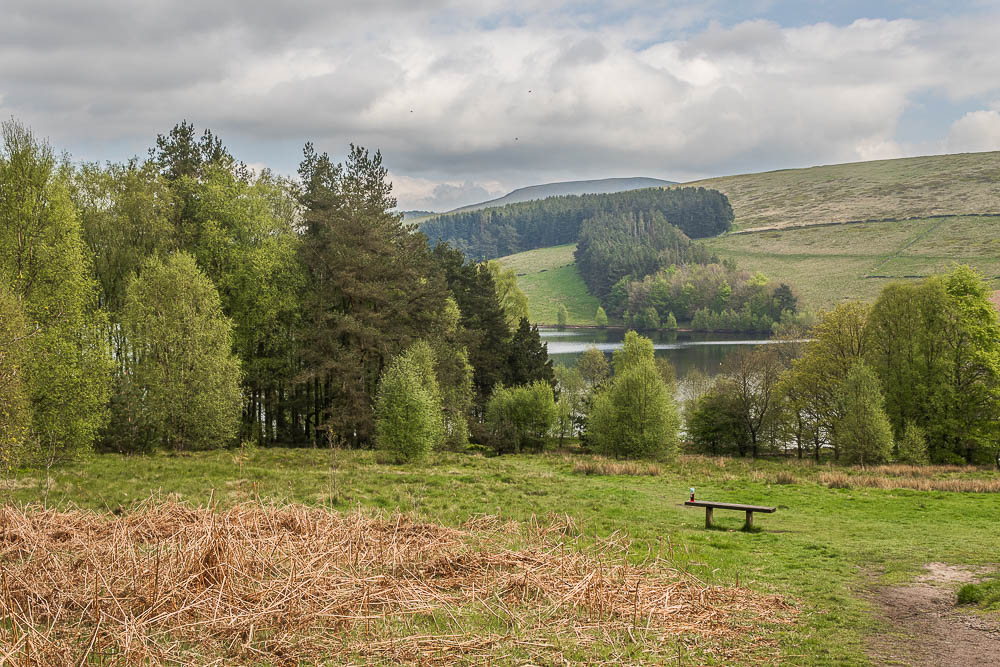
(605, 467)
(785, 477)
(520, 417)
(408, 421)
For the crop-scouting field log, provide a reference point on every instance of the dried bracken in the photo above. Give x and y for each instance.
(608, 467)
(839, 480)
(167, 584)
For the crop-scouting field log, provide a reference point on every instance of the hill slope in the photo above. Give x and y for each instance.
(919, 187)
(594, 187)
(548, 277)
(786, 225)
(830, 264)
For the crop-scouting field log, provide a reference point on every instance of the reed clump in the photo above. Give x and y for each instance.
(608, 467)
(837, 480)
(165, 583)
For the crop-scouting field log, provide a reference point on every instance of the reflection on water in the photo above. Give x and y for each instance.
(685, 350)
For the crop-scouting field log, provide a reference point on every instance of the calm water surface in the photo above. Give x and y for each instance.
(704, 351)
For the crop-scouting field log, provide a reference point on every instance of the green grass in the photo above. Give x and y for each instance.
(822, 549)
(848, 262)
(985, 594)
(905, 188)
(548, 277)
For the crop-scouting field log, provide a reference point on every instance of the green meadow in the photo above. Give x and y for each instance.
(826, 550)
(548, 277)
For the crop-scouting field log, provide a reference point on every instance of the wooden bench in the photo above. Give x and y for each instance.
(749, 509)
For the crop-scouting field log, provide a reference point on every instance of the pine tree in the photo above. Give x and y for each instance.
(482, 327)
(371, 289)
(528, 357)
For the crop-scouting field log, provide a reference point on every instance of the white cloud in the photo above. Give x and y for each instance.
(975, 131)
(494, 97)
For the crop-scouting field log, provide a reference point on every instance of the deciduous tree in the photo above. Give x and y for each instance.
(182, 376)
(864, 432)
(408, 421)
(636, 416)
(43, 263)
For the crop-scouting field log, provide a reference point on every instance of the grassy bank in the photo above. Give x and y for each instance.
(821, 551)
(548, 277)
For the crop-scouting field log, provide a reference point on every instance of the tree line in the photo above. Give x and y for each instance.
(648, 273)
(184, 301)
(498, 231)
(914, 377)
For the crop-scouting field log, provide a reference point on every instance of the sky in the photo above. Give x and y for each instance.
(469, 100)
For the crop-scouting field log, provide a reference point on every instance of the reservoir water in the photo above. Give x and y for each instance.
(685, 350)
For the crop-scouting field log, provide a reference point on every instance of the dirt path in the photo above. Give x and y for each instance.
(926, 628)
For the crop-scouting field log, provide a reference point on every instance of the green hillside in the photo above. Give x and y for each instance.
(783, 229)
(548, 277)
(919, 187)
(846, 262)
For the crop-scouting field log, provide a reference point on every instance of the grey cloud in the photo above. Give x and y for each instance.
(446, 98)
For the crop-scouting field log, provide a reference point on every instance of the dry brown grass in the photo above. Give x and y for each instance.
(608, 467)
(839, 480)
(785, 477)
(166, 583)
(905, 470)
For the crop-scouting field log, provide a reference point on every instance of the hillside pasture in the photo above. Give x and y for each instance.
(836, 263)
(917, 187)
(548, 277)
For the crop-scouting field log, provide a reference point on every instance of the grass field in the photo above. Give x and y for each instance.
(916, 187)
(837, 263)
(548, 277)
(823, 552)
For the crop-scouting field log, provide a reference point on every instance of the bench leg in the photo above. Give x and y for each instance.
(749, 523)
(708, 517)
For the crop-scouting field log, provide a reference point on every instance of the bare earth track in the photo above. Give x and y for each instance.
(926, 628)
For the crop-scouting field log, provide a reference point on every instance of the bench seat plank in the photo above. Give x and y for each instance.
(730, 506)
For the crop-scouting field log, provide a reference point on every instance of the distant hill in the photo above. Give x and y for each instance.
(595, 187)
(922, 215)
(917, 187)
(410, 216)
